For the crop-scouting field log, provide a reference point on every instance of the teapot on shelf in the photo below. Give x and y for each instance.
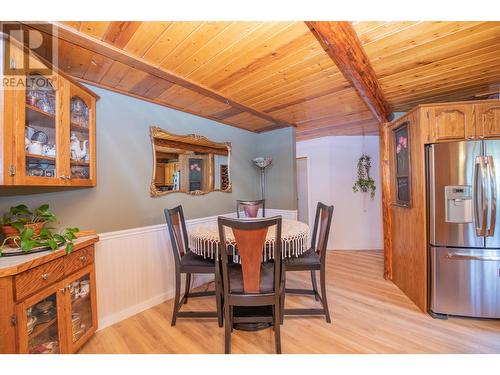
(37, 142)
(77, 152)
(34, 147)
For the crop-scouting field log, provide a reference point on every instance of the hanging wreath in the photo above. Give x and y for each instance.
(364, 181)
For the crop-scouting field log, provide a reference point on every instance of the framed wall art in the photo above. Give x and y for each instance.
(402, 165)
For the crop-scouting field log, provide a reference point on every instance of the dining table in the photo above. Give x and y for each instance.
(204, 241)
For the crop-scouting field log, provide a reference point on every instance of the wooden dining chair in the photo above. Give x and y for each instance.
(314, 259)
(250, 209)
(252, 282)
(188, 263)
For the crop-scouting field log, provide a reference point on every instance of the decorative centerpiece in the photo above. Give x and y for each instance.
(25, 231)
(262, 163)
(364, 181)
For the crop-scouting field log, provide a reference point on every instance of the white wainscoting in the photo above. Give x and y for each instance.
(135, 269)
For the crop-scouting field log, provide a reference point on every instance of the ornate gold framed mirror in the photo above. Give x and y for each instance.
(190, 164)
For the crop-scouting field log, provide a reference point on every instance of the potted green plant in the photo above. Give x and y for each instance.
(364, 183)
(27, 229)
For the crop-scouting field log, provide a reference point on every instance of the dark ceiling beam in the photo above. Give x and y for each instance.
(96, 46)
(342, 44)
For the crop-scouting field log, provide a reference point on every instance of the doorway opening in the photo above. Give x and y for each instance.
(302, 190)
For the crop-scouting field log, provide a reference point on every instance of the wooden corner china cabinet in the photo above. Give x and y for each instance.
(48, 301)
(47, 126)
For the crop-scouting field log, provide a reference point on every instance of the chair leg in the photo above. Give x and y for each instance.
(282, 301)
(282, 307)
(231, 313)
(227, 329)
(277, 325)
(218, 298)
(274, 315)
(315, 285)
(176, 298)
(323, 294)
(188, 285)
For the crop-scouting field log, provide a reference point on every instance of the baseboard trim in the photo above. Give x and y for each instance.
(198, 280)
(132, 310)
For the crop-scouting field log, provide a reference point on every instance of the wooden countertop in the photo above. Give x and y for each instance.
(12, 265)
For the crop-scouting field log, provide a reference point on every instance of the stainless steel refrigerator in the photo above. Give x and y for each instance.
(464, 228)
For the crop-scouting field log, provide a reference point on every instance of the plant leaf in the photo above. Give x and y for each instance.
(27, 245)
(59, 238)
(53, 244)
(45, 233)
(69, 247)
(43, 208)
(27, 234)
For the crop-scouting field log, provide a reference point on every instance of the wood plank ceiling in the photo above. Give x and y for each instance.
(264, 75)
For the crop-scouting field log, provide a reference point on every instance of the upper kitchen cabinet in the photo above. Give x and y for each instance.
(48, 133)
(462, 120)
(487, 117)
(450, 122)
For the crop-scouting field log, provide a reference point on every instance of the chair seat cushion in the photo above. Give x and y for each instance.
(191, 259)
(266, 278)
(308, 258)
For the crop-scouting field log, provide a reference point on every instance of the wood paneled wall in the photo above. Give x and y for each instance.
(405, 228)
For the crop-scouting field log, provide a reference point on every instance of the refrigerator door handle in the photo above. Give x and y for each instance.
(493, 197)
(459, 256)
(480, 229)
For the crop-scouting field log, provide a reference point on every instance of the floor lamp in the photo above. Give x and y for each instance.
(262, 163)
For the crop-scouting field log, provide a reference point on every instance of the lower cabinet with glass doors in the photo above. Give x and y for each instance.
(54, 305)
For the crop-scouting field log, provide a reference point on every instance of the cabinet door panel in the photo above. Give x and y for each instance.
(81, 137)
(40, 323)
(82, 310)
(451, 123)
(38, 132)
(488, 119)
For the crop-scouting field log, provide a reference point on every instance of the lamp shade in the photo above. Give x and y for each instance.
(262, 162)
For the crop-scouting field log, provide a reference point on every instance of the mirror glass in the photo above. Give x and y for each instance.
(189, 164)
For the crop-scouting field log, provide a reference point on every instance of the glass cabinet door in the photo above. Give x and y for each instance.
(41, 325)
(80, 139)
(83, 320)
(40, 129)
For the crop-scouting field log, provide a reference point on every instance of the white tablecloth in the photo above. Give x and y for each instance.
(204, 239)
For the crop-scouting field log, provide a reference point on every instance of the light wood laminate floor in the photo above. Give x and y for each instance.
(369, 315)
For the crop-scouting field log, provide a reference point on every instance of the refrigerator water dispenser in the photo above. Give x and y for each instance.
(458, 204)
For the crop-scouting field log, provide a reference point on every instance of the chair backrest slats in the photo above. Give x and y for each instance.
(250, 244)
(250, 238)
(177, 230)
(321, 230)
(178, 235)
(250, 209)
